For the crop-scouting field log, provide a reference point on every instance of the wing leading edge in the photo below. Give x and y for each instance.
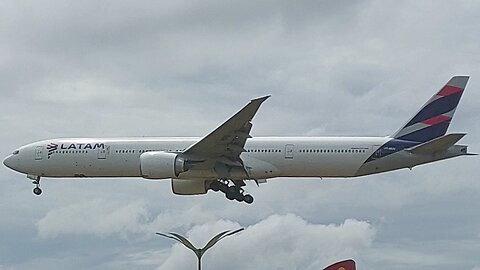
(222, 147)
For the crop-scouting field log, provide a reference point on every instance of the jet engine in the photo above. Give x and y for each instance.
(188, 187)
(161, 165)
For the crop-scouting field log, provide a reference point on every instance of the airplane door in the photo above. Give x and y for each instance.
(38, 152)
(102, 152)
(289, 149)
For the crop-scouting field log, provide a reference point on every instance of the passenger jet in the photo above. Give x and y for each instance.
(226, 157)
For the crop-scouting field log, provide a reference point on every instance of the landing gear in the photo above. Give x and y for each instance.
(37, 191)
(248, 198)
(36, 181)
(232, 190)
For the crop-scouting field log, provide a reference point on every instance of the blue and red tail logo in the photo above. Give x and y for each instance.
(434, 117)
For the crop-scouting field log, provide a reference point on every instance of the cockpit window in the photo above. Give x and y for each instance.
(16, 152)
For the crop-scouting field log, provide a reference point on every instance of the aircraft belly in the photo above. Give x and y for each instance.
(403, 159)
(318, 167)
(123, 167)
(91, 167)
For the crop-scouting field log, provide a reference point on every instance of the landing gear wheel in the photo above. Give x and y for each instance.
(232, 192)
(248, 198)
(36, 181)
(239, 198)
(230, 196)
(239, 195)
(37, 191)
(224, 188)
(215, 186)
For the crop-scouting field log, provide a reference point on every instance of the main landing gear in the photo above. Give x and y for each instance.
(232, 190)
(36, 181)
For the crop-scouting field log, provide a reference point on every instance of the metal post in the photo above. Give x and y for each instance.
(200, 251)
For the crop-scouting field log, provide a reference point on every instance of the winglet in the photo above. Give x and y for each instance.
(343, 265)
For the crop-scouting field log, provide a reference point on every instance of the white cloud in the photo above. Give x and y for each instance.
(97, 217)
(102, 218)
(277, 242)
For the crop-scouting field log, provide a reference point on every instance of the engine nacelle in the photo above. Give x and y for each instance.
(189, 187)
(161, 165)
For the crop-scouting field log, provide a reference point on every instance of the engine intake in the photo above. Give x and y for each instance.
(161, 165)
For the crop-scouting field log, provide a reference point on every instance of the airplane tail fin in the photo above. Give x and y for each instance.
(343, 265)
(434, 117)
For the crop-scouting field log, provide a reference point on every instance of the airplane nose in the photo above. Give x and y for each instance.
(8, 162)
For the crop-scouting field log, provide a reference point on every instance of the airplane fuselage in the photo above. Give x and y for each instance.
(264, 157)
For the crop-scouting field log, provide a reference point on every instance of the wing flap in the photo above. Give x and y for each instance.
(437, 145)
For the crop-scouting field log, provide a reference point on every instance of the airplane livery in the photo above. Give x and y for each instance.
(343, 265)
(228, 156)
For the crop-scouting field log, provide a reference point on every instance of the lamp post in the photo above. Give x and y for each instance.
(200, 251)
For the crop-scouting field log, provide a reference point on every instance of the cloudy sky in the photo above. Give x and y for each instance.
(135, 68)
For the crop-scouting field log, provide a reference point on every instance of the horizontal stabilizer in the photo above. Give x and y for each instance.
(437, 145)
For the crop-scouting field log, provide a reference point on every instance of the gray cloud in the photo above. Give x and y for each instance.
(181, 68)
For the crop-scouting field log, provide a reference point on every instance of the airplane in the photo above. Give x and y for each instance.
(343, 265)
(228, 156)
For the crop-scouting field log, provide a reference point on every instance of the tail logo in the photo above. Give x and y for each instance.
(434, 117)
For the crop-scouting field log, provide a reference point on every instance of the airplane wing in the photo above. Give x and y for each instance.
(223, 146)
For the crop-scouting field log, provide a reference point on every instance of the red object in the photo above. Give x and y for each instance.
(436, 119)
(343, 265)
(449, 90)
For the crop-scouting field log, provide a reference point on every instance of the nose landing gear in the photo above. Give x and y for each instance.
(37, 191)
(232, 190)
(36, 181)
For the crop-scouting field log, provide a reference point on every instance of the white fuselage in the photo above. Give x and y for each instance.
(264, 157)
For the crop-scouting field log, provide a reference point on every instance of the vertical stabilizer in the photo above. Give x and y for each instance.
(434, 117)
(343, 265)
